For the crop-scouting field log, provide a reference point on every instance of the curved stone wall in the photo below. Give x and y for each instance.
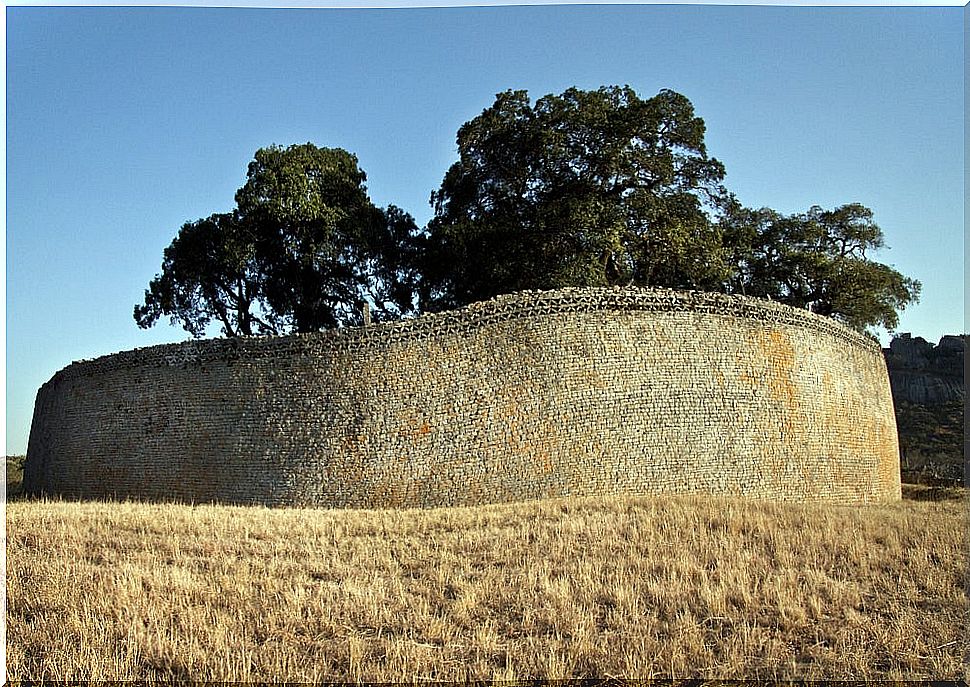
(537, 394)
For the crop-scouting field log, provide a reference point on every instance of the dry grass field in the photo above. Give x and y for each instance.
(624, 587)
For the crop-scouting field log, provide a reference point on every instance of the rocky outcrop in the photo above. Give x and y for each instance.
(924, 374)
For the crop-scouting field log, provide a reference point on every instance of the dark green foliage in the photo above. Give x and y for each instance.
(597, 188)
(816, 260)
(587, 188)
(15, 476)
(304, 249)
(209, 272)
(322, 247)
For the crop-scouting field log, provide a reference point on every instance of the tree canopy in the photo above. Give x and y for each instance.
(816, 260)
(585, 188)
(304, 249)
(208, 273)
(322, 247)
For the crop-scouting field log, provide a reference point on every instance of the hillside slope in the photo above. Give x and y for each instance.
(928, 389)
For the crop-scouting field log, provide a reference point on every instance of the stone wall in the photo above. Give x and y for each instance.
(532, 395)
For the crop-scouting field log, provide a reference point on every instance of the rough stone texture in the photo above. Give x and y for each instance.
(537, 394)
(922, 373)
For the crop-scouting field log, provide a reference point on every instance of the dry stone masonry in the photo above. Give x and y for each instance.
(531, 395)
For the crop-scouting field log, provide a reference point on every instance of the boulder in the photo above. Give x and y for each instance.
(922, 373)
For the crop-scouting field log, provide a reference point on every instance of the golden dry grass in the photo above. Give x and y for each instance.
(632, 587)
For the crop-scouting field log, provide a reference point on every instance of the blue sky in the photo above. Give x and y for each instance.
(124, 123)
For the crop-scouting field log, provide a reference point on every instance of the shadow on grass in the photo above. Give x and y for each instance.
(911, 492)
(923, 492)
(15, 490)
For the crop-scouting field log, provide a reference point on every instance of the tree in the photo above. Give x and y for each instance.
(304, 249)
(323, 249)
(587, 188)
(208, 273)
(817, 260)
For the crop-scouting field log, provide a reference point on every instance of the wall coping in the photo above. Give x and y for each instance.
(516, 306)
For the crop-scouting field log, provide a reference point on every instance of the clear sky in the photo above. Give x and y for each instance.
(124, 123)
